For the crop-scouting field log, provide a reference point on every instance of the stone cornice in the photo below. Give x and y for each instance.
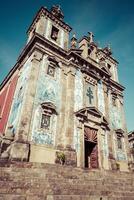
(110, 57)
(47, 13)
(117, 85)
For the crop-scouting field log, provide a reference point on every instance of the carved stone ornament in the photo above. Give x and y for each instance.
(56, 11)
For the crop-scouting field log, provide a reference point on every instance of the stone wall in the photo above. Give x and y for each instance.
(30, 181)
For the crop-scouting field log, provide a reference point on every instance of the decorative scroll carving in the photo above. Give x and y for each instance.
(90, 134)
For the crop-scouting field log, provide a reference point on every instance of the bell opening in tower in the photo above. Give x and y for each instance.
(54, 33)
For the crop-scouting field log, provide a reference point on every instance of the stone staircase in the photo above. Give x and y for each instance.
(36, 181)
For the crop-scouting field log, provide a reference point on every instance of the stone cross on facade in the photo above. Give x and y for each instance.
(90, 95)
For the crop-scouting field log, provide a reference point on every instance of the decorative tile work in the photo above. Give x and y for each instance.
(119, 153)
(78, 104)
(19, 96)
(48, 90)
(116, 123)
(42, 136)
(115, 116)
(78, 91)
(101, 101)
(105, 144)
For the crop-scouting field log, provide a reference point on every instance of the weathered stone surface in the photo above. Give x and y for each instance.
(34, 181)
(19, 151)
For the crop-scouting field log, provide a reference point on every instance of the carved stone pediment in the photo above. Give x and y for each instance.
(92, 114)
(89, 113)
(114, 93)
(106, 70)
(94, 111)
(119, 132)
(49, 107)
(53, 60)
(104, 123)
(90, 71)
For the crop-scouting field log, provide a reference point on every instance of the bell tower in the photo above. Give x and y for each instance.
(51, 26)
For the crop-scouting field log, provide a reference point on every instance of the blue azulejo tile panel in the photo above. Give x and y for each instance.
(78, 91)
(101, 100)
(19, 96)
(48, 90)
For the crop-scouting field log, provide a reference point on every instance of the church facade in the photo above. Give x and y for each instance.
(62, 101)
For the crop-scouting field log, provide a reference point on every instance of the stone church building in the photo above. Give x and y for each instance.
(63, 101)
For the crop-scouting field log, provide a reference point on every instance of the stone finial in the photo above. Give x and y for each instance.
(91, 36)
(73, 42)
(56, 11)
(108, 50)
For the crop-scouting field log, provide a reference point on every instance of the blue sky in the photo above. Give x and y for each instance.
(112, 22)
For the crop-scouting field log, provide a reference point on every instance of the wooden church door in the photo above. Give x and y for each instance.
(91, 149)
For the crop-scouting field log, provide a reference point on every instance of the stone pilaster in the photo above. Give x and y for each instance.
(60, 121)
(21, 143)
(112, 161)
(65, 138)
(100, 150)
(41, 25)
(69, 111)
(26, 113)
(124, 127)
(82, 146)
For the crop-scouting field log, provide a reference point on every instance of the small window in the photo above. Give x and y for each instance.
(45, 121)
(51, 70)
(119, 142)
(54, 33)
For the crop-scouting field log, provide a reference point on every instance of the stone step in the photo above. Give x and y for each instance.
(24, 181)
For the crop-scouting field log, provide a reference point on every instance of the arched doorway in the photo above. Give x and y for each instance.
(91, 148)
